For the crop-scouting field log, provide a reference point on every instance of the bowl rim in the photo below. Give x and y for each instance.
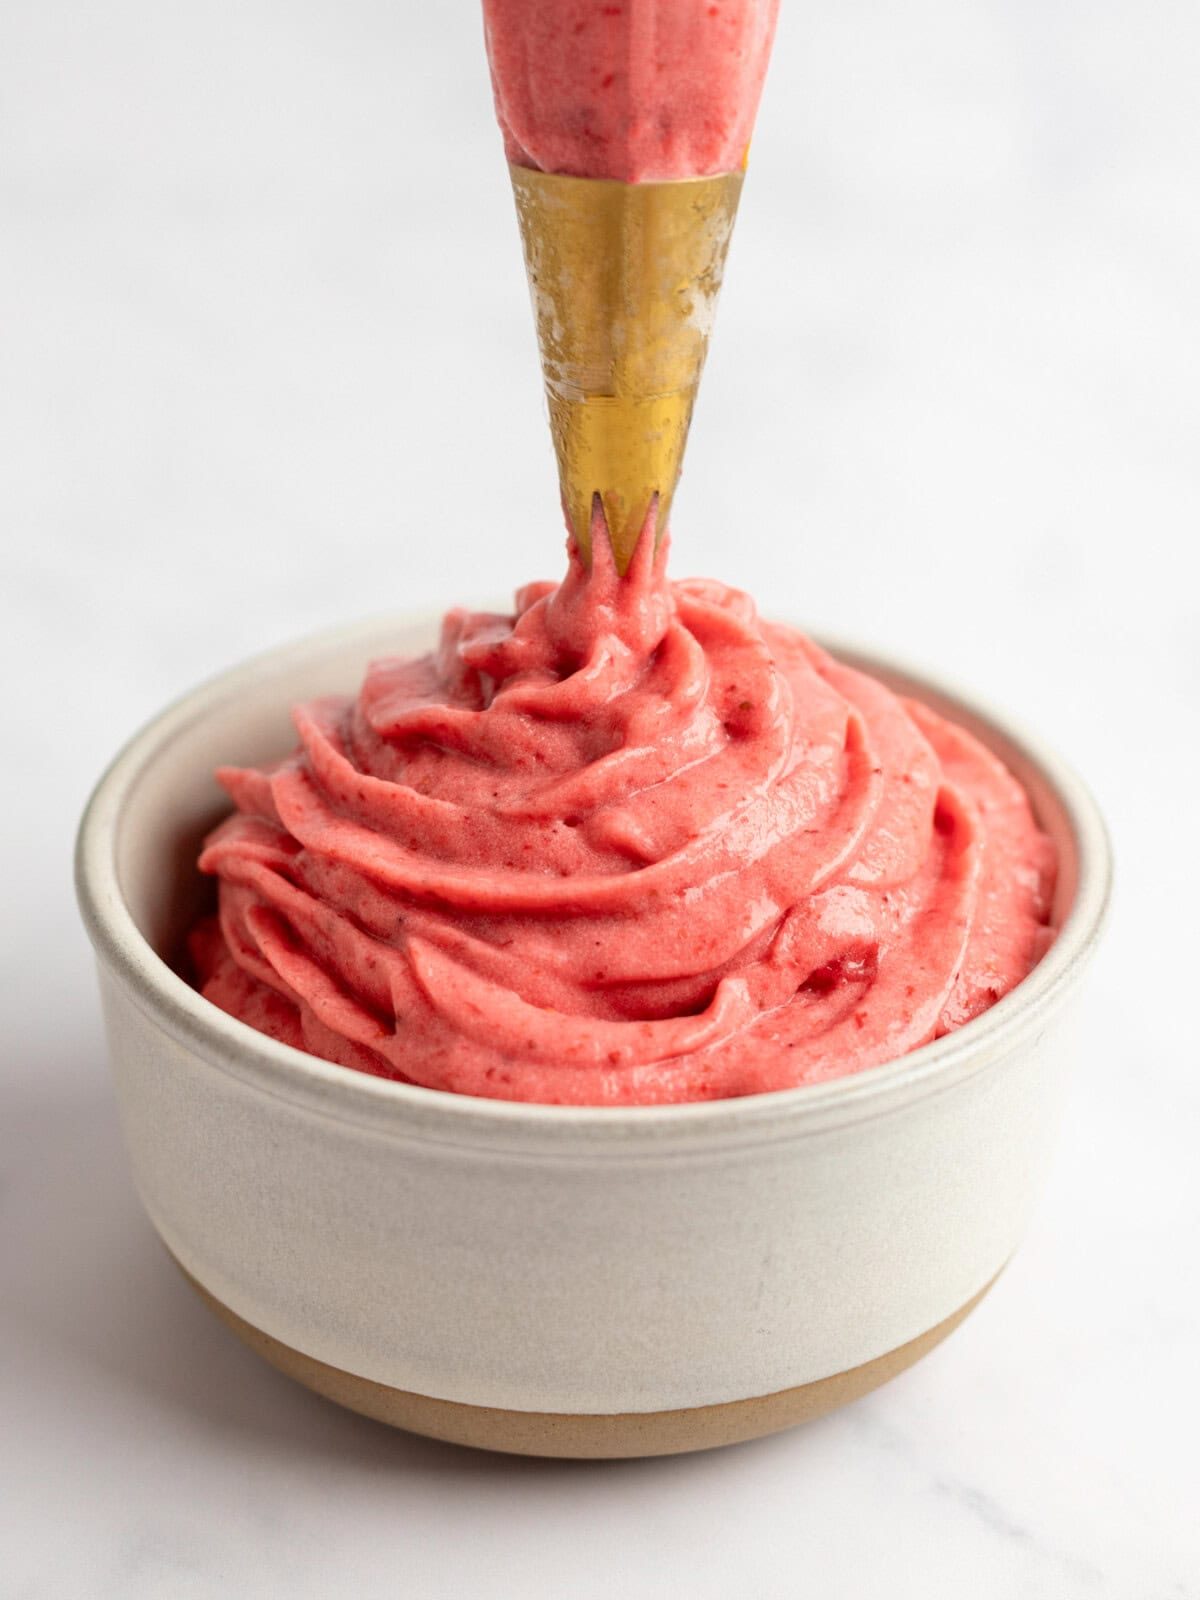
(398, 1109)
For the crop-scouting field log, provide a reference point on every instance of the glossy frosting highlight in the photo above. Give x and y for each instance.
(627, 845)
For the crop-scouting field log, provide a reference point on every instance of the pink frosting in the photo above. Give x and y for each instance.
(627, 845)
(630, 89)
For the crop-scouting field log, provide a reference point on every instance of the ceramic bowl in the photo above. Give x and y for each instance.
(548, 1280)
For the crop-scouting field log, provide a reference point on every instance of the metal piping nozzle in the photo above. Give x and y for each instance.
(624, 279)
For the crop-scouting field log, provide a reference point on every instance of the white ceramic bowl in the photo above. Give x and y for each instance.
(543, 1279)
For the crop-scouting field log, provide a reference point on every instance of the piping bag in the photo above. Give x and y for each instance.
(626, 125)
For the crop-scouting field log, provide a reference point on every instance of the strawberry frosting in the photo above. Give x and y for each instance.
(628, 844)
(636, 90)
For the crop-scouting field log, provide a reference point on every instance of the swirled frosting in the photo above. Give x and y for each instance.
(627, 845)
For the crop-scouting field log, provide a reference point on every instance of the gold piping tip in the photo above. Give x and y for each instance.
(624, 279)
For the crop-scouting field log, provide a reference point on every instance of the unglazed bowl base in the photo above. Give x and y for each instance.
(585, 1437)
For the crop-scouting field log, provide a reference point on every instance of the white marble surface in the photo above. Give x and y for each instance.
(260, 289)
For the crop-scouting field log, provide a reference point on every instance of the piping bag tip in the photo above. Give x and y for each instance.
(624, 280)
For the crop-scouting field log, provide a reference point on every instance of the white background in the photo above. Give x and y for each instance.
(266, 364)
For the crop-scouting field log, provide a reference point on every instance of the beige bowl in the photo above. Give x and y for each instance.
(549, 1280)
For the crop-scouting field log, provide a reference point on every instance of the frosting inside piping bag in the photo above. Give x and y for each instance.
(637, 90)
(627, 845)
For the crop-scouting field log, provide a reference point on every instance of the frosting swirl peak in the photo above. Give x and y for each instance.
(629, 844)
